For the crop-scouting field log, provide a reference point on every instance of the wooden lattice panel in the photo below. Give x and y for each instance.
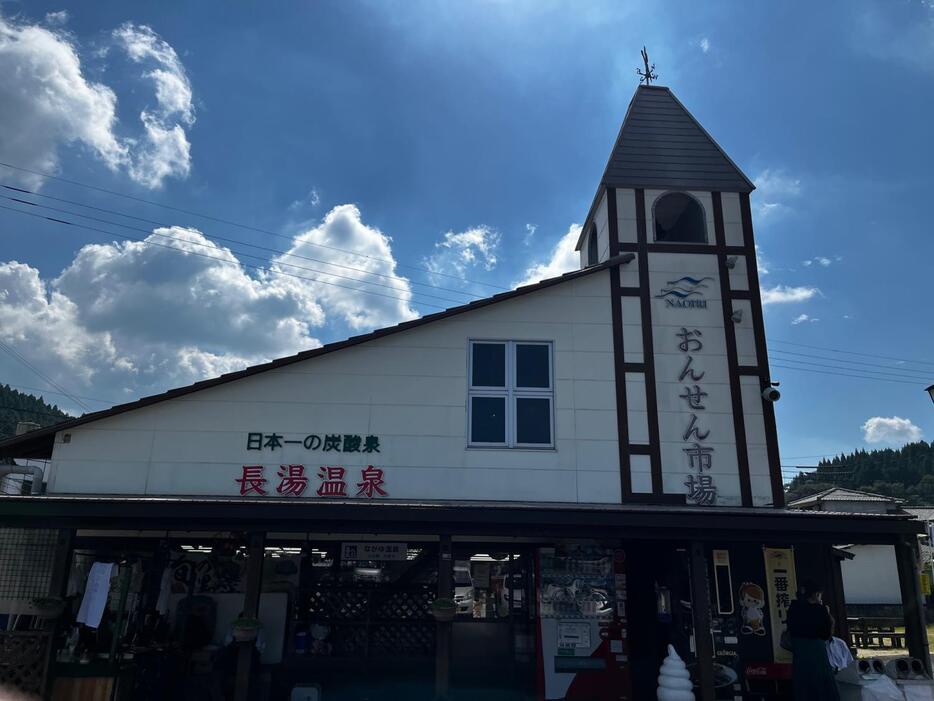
(402, 640)
(22, 659)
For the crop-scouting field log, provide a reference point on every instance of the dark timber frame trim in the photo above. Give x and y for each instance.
(648, 345)
(736, 397)
(619, 354)
(762, 357)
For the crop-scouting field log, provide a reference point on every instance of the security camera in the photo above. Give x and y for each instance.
(770, 394)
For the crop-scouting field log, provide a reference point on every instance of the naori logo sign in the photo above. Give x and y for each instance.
(686, 292)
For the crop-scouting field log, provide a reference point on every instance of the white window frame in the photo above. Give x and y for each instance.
(511, 393)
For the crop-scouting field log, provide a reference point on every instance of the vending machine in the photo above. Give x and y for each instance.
(582, 614)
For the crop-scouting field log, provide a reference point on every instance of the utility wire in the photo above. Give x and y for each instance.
(47, 391)
(919, 378)
(239, 253)
(841, 374)
(222, 260)
(911, 371)
(240, 225)
(214, 237)
(12, 352)
(864, 355)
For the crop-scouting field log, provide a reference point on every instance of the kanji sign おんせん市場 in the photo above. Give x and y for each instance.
(292, 481)
(325, 442)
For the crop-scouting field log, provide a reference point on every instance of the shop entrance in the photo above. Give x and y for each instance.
(493, 634)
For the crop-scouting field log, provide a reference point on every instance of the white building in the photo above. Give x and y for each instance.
(572, 460)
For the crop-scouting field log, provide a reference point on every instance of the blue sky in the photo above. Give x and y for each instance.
(464, 138)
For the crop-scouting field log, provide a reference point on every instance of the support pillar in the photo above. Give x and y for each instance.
(700, 609)
(251, 590)
(444, 631)
(909, 579)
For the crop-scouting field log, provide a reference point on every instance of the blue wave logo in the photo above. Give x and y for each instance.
(684, 287)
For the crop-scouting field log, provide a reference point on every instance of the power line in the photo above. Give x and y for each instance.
(911, 371)
(863, 355)
(215, 237)
(919, 378)
(12, 351)
(840, 374)
(222, 260)
(48, 391)
(239, 253)
(240, 225)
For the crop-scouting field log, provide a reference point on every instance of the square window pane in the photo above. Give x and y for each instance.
(489, 364)
(487, 419)
(533, 421)
(532, 366)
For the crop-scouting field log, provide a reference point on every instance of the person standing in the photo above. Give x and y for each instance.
(810, 626)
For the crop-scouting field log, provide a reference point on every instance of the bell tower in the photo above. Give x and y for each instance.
(695, 412)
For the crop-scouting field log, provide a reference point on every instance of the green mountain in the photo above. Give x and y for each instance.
(18, 406)
(906, 473)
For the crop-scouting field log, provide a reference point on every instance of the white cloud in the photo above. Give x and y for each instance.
(128, 319)
(802, 318)
(774, 189)
(165, 151)
(457, 252)
(563, 259)
(344, 229)
(57, 18)
(47, 102)
(704, 44)
(783, 294)
(893, 430)
(762, 265)
(530, 230)
(822, 261)
(312, 199)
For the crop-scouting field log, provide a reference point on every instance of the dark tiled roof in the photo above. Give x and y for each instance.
(841, 494)
(922, 513)
(661, 145)
(38, 443)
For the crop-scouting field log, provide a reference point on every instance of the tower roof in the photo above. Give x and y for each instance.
(661, 145)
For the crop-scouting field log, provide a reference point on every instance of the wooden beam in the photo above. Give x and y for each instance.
(909, 579)
(700, 610)
(251, 590)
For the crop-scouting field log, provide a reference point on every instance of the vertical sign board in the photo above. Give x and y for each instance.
(781, 582)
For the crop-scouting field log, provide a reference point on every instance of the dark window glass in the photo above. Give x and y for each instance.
(533, 421)
(489, 364)
(488, 419)
(592, 253)
(532, 366)
(678, 217)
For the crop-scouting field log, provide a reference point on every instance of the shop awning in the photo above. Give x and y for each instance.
(636, 521)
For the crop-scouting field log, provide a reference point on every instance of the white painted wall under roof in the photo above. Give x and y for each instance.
(408, 388)
(871, 577)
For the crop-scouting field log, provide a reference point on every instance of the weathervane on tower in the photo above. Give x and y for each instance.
(649, 74)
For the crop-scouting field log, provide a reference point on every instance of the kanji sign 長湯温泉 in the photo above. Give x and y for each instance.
(332, 481)
(325, 442)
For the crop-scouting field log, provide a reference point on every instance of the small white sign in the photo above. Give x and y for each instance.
(373, 551)
(574, 635)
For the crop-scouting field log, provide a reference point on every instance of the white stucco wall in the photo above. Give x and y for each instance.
(409, 389)
(871, 577)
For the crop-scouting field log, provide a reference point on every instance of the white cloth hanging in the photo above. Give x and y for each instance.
(95, 594)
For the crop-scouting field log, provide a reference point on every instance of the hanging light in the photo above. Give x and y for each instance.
(930, 390)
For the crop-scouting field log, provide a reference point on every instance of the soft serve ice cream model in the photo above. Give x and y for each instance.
(674, 679)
